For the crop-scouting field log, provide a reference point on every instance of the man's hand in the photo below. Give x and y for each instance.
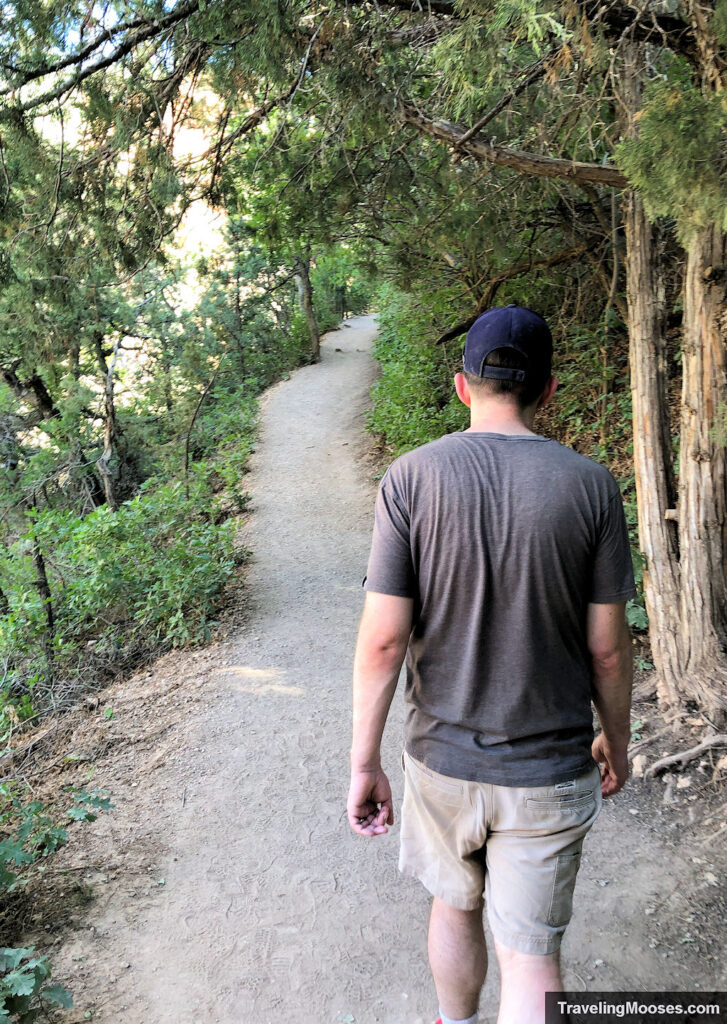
(382, 639)
(370, 805)
(613, 761)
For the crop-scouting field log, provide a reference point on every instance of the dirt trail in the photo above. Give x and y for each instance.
(253, 903)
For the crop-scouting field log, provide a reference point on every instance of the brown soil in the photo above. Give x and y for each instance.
(225, 887)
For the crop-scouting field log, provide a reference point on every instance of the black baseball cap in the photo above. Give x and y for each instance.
(509, 327)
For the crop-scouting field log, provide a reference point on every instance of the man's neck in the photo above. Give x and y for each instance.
(501, 420)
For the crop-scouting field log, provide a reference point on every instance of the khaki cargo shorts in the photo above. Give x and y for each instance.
(519, 847)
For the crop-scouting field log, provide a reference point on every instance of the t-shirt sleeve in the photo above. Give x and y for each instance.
(613, 571)
(390, 567)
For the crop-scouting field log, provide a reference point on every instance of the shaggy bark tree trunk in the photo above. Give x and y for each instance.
(702, 472)
(305, 298)
(111, 430)
(653, 465)
(655, 487)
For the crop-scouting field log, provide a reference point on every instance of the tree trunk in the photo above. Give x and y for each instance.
(655, 488)
(31, 391)
(305, 298)
(340, 293)
(42, 585)
(702, 471)
(110, 432)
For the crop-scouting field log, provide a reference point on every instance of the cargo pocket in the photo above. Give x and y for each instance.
(561, 901)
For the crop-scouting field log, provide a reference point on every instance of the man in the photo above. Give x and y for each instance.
(500, 567)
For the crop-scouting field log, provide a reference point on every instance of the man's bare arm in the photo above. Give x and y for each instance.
(609, 642)
(382, 641)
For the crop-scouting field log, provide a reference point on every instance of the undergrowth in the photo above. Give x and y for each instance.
(29, 835)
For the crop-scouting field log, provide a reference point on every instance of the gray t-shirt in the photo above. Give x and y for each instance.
(502, 541)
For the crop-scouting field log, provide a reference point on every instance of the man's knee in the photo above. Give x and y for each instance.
(514, 960)
(445, 909)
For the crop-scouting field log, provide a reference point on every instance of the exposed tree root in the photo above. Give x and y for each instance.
(720, 740)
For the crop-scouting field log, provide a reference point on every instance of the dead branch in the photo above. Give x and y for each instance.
(636, 747)
(713, 836)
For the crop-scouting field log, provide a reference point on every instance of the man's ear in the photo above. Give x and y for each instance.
(463, 389)
(550, 388)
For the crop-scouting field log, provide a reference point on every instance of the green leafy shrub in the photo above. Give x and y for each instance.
(24, 993)
(29, 833)
(414, 399)
(147, 575)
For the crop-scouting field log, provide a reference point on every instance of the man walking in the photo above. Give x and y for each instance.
(500, 568)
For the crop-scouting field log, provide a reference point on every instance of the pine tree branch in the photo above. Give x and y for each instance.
(614, 19)
(122, 50)
(533, 75)
(421, 6)
(41, 70)
(518, 160)
(253, 119)
(665, 30)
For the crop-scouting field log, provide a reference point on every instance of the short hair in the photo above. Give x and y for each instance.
(524, 392)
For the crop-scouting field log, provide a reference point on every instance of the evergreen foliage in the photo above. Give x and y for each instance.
(678, 160)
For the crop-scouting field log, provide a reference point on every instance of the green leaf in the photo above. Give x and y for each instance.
(10, 958)
(21, 982)
(58, 996)
(80, 814)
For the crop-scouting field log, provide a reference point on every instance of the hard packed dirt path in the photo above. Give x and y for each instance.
(259, 905)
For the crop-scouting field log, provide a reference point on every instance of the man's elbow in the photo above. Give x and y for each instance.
(386, 646)
(381, 651)
(613, 658)
(606, 662)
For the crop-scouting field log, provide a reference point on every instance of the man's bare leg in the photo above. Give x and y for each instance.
(458, 958)
(525, 978)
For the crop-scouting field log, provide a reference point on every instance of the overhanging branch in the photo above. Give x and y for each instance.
(517, 160)
(150, 30)
(614, 18)
(24, 76)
